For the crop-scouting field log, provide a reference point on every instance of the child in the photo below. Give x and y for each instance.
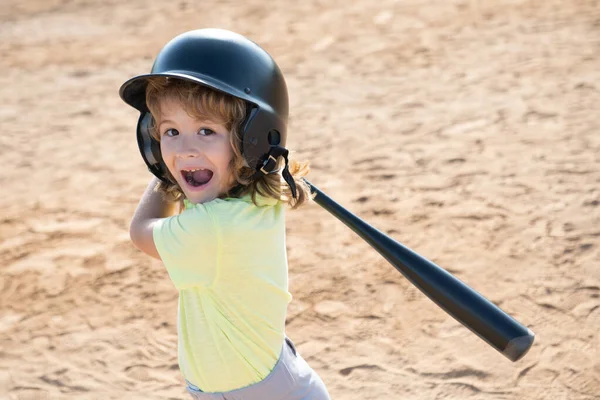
(212, 130)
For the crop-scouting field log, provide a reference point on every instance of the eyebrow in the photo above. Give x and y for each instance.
(208, 122)
(164, 121)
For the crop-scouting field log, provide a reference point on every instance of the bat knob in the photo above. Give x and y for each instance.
(519, 346)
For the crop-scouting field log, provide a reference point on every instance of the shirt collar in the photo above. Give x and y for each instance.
(262, 201)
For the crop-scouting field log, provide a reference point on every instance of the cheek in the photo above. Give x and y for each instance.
(165, 149)
(166, 152)
(225, 155)
(230, 160)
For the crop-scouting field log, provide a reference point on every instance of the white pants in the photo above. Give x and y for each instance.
(291, 379)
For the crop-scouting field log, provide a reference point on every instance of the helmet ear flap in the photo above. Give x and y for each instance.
(150, 147)
(244, 127)
(260, 132)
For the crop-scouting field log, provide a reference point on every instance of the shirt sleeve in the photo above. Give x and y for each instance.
(189, 245)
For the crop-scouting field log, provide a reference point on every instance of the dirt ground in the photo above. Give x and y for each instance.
(467, 130)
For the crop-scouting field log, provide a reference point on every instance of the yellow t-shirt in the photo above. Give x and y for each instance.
(227, 258)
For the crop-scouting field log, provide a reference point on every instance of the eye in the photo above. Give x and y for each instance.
(206, 132)
(171, 132)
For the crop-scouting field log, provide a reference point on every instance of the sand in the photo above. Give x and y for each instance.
(466, 130)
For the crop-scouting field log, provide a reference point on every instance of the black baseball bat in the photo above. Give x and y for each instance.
(468, 307)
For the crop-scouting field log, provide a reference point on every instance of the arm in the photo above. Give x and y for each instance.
(150, 209)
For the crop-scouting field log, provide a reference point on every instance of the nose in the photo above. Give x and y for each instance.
(187, 147)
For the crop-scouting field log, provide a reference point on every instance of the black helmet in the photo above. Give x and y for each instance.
(230, 63)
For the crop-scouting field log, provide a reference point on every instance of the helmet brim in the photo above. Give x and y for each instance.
(133, 91)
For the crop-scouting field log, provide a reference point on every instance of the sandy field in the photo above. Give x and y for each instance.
(467, 130)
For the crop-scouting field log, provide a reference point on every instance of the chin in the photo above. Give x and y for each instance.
(197, 198)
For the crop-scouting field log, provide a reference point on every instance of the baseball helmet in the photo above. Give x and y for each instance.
(228, 62)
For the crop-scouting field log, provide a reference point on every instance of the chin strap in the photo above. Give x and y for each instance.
(270, 163)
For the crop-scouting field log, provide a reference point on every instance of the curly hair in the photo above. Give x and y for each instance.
(205, 103)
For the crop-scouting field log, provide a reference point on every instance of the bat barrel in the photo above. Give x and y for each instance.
(463, 303)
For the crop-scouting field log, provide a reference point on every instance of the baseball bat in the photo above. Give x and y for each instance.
(468, 307)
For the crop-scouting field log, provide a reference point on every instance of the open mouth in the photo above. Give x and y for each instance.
(197, 177)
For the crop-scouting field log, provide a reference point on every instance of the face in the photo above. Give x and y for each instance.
(196, 152)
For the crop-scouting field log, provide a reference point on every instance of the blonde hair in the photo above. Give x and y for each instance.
(204, 103)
